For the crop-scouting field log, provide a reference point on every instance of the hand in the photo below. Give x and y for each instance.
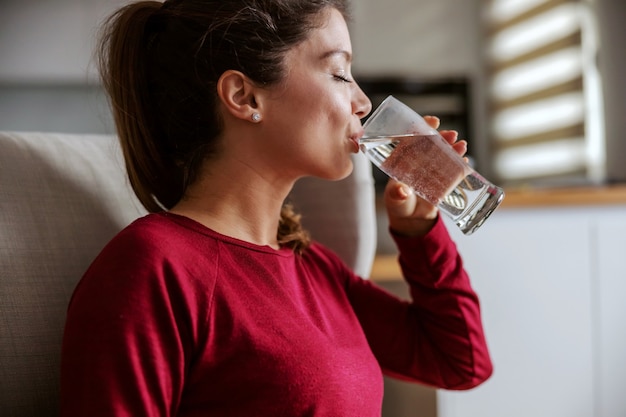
(408, 214)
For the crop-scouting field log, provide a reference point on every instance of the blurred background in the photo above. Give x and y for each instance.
(536, 86)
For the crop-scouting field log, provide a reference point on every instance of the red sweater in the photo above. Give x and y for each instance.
(173, 319)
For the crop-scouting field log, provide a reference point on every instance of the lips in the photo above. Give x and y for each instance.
(355, 143)
(355, 140)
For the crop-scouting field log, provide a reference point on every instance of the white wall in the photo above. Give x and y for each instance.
(49, 41)
(422, 38)
(48, 80)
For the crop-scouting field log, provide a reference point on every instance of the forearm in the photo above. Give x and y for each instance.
(445, 307)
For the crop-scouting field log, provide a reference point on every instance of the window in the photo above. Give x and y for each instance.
(544, 92)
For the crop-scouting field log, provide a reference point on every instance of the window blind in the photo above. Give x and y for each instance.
(544, 91)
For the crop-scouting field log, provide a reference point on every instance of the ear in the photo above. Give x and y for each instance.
(237, 94)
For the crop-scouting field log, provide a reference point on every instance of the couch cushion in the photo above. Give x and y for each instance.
(62, 197)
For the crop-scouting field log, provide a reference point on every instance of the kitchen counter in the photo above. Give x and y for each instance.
(570, 196)
(386, 268)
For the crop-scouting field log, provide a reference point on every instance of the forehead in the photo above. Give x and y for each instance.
(330, 40)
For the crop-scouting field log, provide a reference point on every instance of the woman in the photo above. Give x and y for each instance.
(217, 303)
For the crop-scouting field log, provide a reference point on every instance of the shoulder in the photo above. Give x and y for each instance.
(319, 253)
(161, 236)
(155, 251)
(327, 262)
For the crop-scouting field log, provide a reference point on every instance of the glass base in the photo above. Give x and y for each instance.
(470, 218)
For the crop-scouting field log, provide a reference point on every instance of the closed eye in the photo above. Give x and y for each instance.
(342, 78)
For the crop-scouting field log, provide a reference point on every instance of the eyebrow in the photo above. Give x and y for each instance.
(331, 53)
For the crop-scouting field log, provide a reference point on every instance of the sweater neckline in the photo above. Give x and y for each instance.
(204, 230)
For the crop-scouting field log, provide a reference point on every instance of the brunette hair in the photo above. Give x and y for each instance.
(160, 63)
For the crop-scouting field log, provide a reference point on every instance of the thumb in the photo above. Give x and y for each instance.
(399, 199)
(397, 192)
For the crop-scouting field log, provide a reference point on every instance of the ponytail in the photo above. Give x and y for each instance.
(124, 45)
(291, 234)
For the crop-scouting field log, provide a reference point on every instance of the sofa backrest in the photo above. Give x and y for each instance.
(62, 198)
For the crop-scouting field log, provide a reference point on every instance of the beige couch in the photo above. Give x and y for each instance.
(62, 197)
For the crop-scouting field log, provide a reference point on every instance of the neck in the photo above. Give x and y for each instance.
(245, 207)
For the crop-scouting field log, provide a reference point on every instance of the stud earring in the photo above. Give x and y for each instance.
(256, 117)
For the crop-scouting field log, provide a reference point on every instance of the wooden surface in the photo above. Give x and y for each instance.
(386, 268)
(575, 196)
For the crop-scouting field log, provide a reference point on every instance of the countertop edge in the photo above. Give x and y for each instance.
(566, 196)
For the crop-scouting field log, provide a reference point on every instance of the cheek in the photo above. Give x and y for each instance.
(330, 113)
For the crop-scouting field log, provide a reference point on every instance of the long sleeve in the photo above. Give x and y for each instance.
(437, 338)
(129, 332)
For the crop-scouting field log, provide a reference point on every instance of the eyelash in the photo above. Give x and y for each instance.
(342, 78)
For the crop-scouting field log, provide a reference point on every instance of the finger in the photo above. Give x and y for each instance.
(397, 191)
(397, 194)
(460, 147)
(450, 136)
(399, 200)
(432, 121)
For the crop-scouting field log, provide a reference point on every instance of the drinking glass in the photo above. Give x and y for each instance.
(400, 142)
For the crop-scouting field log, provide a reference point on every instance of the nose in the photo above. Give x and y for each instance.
(361, 105)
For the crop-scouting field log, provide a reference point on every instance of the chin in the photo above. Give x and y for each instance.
(341, 174)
